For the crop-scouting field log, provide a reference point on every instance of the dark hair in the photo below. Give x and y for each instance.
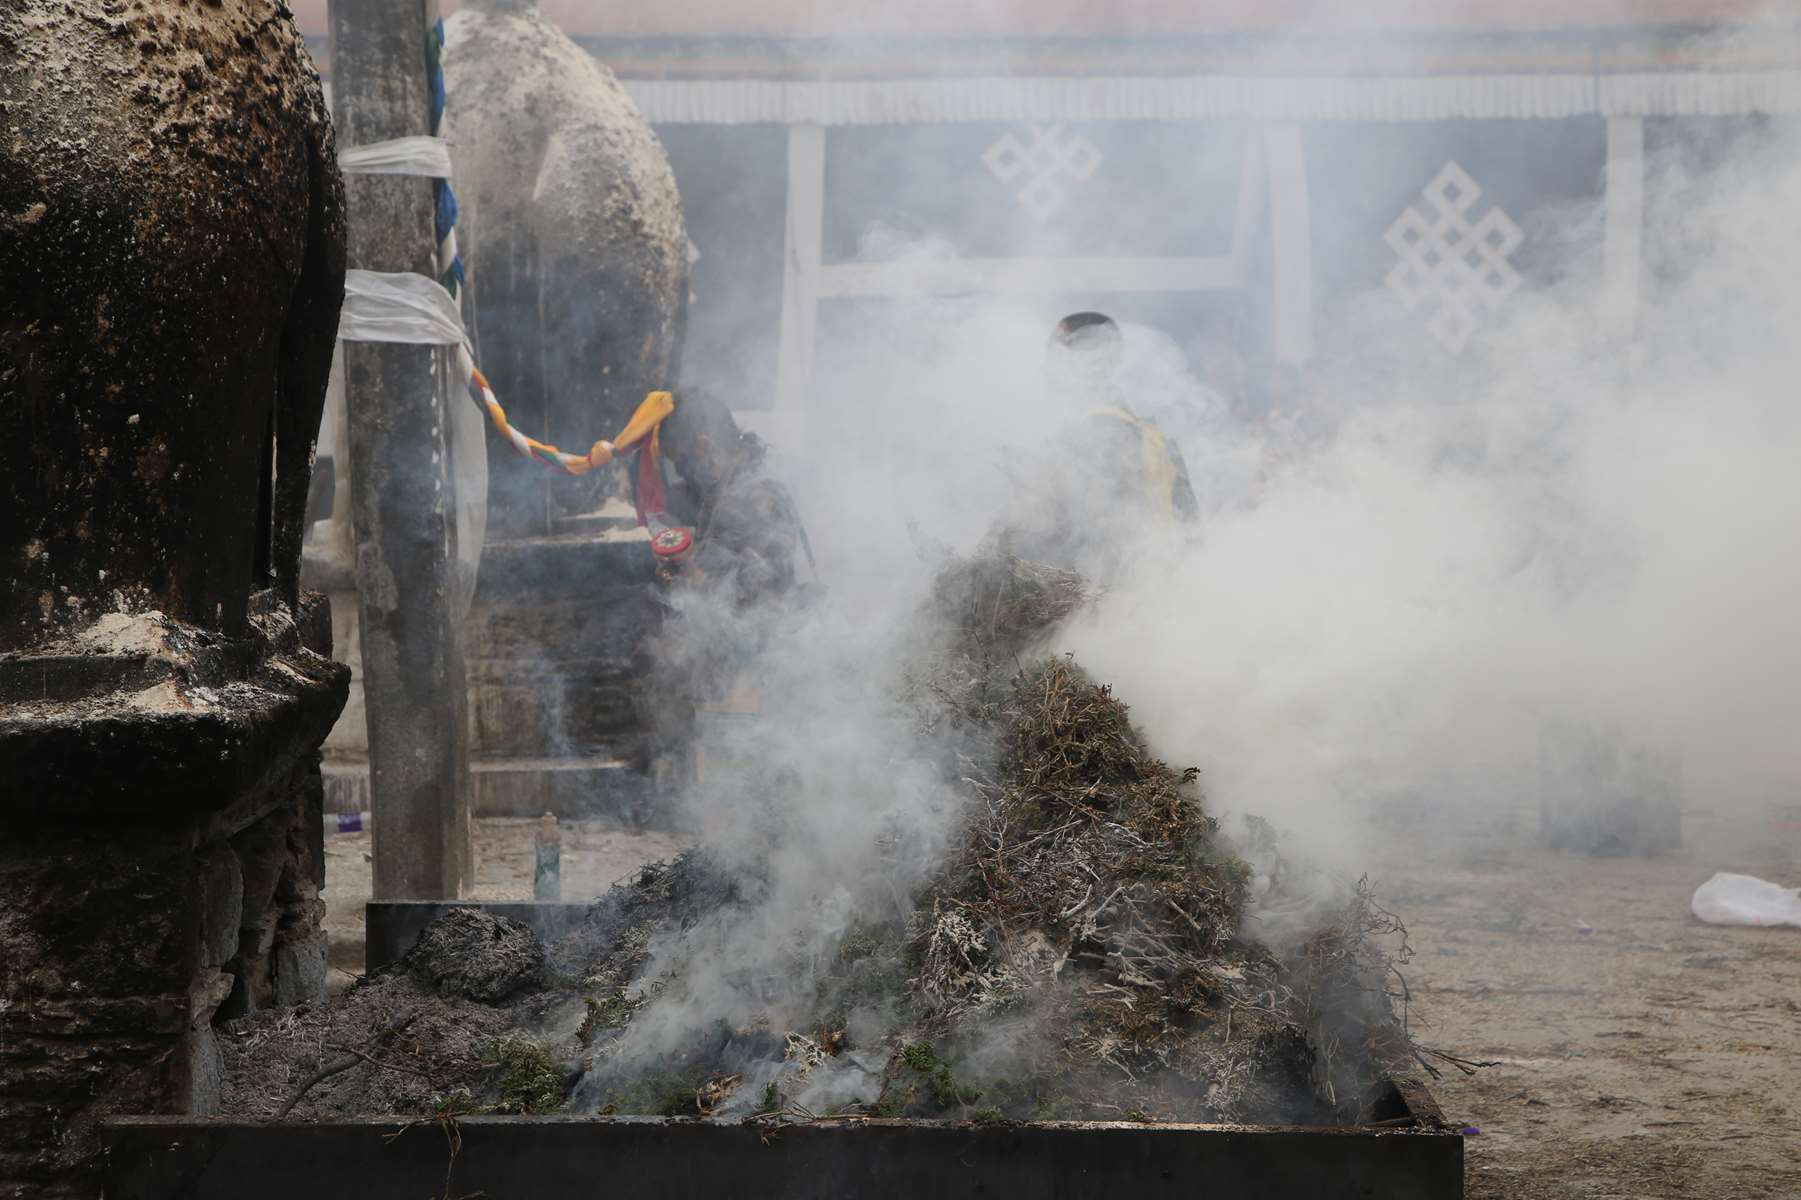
(1074, 323)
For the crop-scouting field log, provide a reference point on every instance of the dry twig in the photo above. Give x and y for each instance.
(347, 1061)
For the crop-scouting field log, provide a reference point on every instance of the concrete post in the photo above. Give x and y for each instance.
(402, 488)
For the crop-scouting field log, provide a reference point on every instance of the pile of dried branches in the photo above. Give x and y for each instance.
(996, 603)
(1085, 934)
(1347, 978)
(1080, 951)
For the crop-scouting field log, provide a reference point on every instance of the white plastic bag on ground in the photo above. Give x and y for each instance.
(1729, 899)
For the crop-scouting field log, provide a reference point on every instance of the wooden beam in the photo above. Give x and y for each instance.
(1027, 276)
(800, 276)
(403, 493)
(1291, 243)
(1623, 240)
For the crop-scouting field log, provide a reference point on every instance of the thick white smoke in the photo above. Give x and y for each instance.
(1393, 592)
(1603, 536)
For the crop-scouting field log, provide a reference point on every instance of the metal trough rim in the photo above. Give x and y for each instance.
(651, 1158)
(388, 1122)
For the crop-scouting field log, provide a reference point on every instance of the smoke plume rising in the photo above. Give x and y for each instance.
(1402, 577)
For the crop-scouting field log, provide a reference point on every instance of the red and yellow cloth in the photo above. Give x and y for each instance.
(639, 434)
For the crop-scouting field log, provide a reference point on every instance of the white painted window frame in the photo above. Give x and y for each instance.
(1274, 166)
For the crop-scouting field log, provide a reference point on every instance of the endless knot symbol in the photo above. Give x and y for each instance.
(1049, 155)
(1451, 264)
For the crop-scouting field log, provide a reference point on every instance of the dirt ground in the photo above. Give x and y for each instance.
(1651, 1057)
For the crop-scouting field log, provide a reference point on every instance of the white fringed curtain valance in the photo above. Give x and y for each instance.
(1420, 98)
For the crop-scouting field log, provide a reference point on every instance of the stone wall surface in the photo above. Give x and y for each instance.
(141, 900)
(120, 953)
(171, 267)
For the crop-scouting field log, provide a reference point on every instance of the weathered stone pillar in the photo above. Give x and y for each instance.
(578, 257)
(402, 488)
(572, 230)
(171, 266)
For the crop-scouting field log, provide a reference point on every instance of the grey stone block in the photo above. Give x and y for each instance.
(299, 971)
(262, 852)
(199, 1072)
(220, 883)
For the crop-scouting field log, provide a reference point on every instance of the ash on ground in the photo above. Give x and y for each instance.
(1082, 951)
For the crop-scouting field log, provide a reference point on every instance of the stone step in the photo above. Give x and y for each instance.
(581, 717)
(614, 517)
(586, 789)
(534, 569)
(606, 628)
(572, 788)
